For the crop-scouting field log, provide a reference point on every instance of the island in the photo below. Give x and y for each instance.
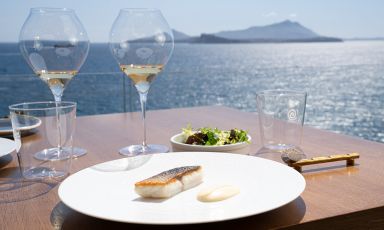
(282, 32)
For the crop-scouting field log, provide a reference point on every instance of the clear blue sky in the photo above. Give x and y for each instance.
(341, 18)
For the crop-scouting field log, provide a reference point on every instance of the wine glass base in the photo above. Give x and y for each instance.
(134, 150)
(53, 154)
(78, 152)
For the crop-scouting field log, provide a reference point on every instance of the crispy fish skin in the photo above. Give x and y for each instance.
(169, 176)
(170, 182)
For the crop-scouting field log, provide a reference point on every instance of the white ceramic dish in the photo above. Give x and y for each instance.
(6, 146)
(29, 123)
(109, 194)
(177, 142)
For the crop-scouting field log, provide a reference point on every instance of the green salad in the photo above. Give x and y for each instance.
(213, 136)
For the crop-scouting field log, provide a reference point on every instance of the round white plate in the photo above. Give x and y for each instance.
(29, 123)
(6, 146)
(177, 142)
(264, 185)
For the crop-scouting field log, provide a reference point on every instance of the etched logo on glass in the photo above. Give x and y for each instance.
(292, 114)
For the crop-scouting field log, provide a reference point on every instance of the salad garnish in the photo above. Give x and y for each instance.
(214, 136)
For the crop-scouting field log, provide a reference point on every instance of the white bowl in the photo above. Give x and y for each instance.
(178, 145)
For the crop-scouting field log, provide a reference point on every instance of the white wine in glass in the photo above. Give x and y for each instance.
(56, 80)
(55, 45)
(142, 75)
(142, 43)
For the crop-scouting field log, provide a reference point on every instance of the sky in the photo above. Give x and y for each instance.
(338, 18)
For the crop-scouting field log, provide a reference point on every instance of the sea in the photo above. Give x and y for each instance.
(344, 81)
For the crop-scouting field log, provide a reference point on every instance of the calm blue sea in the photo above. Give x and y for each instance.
(345, 81)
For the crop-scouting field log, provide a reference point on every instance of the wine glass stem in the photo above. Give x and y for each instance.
(58, 123)
(143, 103)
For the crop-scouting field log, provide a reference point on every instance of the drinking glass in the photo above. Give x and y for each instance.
(141, 42)
(48, 140)
(281, 119)
(55, 45)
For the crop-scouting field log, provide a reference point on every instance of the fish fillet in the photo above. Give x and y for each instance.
(169, 183)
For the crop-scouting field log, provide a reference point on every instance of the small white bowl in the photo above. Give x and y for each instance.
(178, 144)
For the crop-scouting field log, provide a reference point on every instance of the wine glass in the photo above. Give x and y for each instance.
(142, 43)
(55, 45)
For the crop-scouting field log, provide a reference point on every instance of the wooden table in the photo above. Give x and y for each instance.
(335, 197)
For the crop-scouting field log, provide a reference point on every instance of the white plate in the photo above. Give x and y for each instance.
(6, 146)
(178, 144)
(29, 123)
(264, 185)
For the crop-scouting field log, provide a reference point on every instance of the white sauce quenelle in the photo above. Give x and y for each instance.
(217, 193)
